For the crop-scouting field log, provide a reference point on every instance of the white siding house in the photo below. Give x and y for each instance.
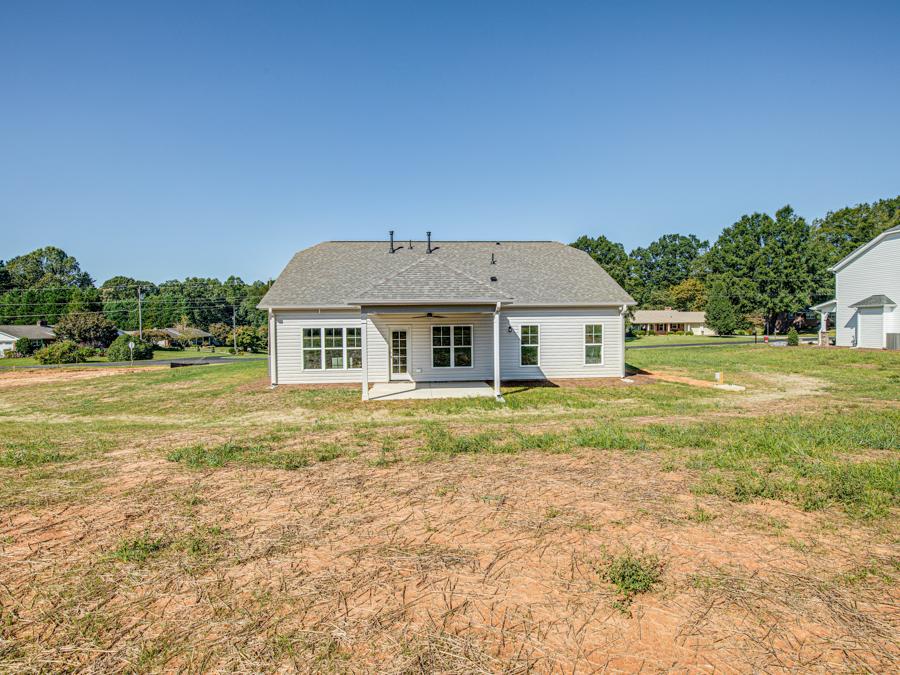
(371, 312)
(37, 332)
(663, 321)
(867, 289)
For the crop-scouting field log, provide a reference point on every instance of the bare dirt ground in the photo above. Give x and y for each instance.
(476, 564)
(25, 377)
(387, 562)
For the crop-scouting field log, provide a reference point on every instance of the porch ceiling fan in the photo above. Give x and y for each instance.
(430, 315)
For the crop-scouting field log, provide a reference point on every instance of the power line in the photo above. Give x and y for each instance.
(224, 305)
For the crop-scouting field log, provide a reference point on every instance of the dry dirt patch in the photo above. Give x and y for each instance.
(479, 563)
(21, 378)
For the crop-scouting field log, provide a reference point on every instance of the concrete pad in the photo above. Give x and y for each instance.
(396, 391)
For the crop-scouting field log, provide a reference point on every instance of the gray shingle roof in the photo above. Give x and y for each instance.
(30, 331)
(874, 301)
(336, 273)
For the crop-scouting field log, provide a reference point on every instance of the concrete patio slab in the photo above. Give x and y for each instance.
(395, 391)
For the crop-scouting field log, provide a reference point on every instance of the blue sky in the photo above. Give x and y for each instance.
(160, 140)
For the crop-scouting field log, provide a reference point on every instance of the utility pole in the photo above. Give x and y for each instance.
(234, 327)
(140, 317)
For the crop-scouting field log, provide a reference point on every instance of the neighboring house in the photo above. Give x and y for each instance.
(867, 289)
(9, 335)
(166, 337)
(372, 311)
(662, 321)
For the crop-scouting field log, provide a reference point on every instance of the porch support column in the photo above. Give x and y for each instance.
(497, 352)
(365, 356)
(273, 348)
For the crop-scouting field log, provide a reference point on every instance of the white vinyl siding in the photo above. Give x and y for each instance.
(562, 345)
(561, 341)
(874, 272)
(288, 355)
(420, 346)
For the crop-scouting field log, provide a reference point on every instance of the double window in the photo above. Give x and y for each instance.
(332, 348)
(530, 351)
(593, 345)
(451, 346)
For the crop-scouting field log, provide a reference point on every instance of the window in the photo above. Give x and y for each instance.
(530, 354)
(354, 347)
(312, 348)
(451, 346)
(332, 348)
(593, 345)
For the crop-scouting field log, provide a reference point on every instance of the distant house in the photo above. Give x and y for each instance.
(867, 290)
(9, 335)
(464, 311)
(663, 321)
(167, 337)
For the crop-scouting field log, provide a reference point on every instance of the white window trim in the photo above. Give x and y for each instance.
(452, 345)
(322, 348)
(538, 345)
(585, 344)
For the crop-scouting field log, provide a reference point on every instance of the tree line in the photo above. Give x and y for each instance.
(47, 285)
(761, 271)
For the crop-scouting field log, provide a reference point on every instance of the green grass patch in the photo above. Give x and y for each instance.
(204, 457)
(139, 549)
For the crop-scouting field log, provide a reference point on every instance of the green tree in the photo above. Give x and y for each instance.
(47, 267)
(665, 263)
(86, 329)
(841, 232)
(64, 351)
(609, 255)
(776, 261)
(689, 295)
(721, 314)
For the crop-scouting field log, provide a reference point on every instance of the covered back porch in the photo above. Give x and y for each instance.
(409, 348)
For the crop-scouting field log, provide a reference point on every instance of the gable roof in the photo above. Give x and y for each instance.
(338, 273)
(430, 280)
(30, 331)
(862, 249)
(874, 301)
(668, 316)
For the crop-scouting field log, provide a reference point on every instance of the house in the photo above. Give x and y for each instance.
(168, 337)
(867, 289)
(9, 335)
(376, 311)
(668, 320)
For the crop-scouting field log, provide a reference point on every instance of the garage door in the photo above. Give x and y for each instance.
(870, 332)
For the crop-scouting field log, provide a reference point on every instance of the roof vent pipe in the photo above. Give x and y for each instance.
(394, 249)
(429, 249)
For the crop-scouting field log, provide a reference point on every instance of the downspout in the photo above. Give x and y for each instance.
(497, 394)
(622, 313)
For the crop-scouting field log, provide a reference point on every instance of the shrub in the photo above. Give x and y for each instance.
(64, 351)
(632, 573)
(118, 350)
(26, 346)
(793, 339)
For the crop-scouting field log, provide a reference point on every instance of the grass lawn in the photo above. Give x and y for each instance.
(194, 519)
(645, 340)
